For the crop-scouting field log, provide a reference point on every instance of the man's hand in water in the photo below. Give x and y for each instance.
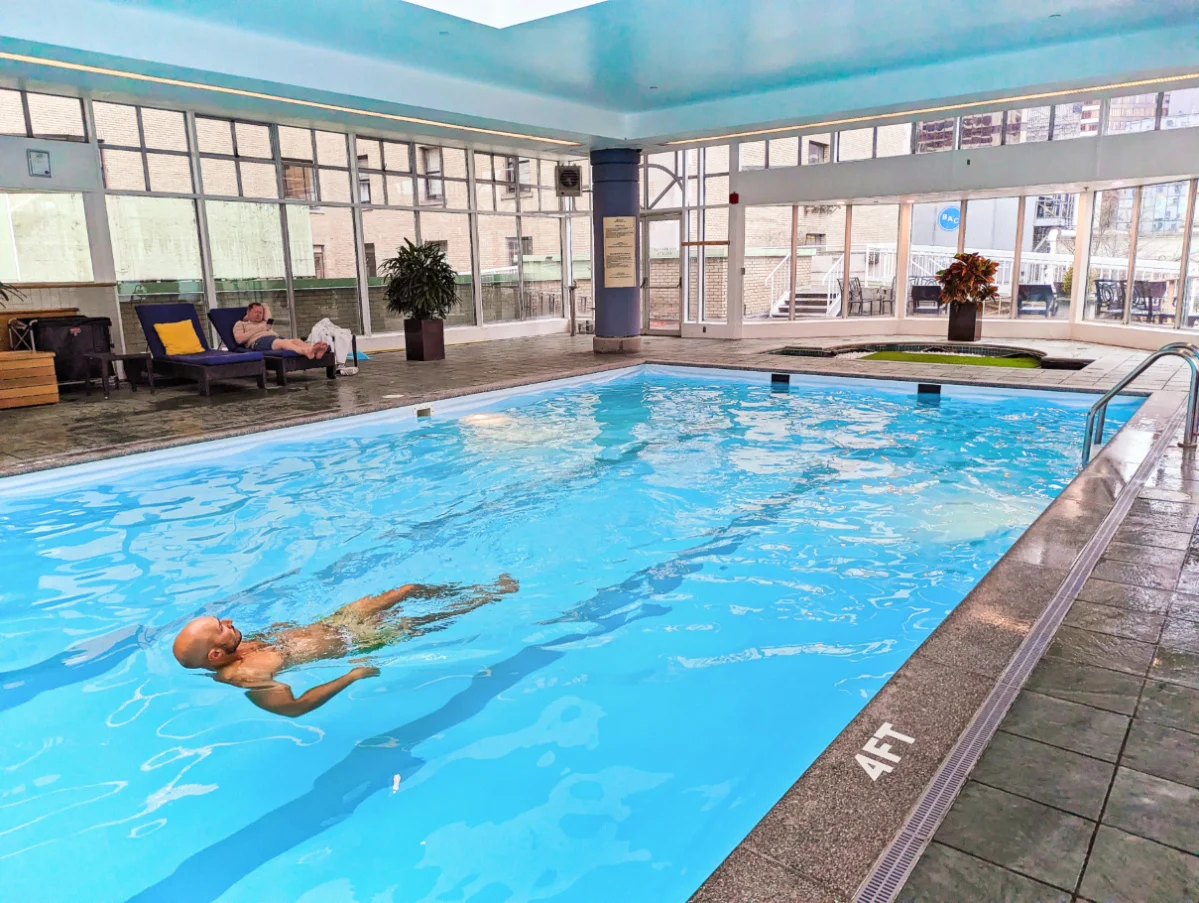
(276, 696)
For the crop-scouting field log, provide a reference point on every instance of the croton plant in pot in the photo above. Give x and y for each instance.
(966, 285)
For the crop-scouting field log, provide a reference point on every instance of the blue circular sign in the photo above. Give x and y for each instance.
(949, 218)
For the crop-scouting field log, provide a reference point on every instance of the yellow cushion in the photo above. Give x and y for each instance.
(179, 338)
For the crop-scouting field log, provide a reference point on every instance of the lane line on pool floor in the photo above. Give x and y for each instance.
(892, 869)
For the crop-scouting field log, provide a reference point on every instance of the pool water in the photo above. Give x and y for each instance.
(715, 577)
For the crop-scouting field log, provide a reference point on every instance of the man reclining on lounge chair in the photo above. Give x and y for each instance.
(256, 333)
(364, 626)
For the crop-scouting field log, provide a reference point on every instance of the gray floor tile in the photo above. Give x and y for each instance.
(1018, 834)
(1086, 685)
(1149, 536)
(1155, 808)
(1179, 633)
(1080, 728)
(1153, 576)
(1185, 606)
(1176, 667)
(1163, 752)
(1173, 523)
(1135, 625)
(1121, 595)
(1047, 774)
(1171, 705)
(1086, 647)
(1128, 869)
(945, 875)
(1145, 554)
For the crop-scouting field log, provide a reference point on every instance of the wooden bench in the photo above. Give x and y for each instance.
(27, 378)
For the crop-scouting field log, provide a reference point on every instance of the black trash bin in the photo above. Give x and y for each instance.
(70, 338)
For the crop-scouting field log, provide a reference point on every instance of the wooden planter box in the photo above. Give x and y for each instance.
(424, 340)
(965, 323)
(27, 378)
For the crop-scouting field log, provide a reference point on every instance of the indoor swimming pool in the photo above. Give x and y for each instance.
(713, 574)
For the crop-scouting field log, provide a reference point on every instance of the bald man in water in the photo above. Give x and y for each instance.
(361, 627)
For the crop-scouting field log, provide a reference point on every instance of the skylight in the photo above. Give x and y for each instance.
(504, 13)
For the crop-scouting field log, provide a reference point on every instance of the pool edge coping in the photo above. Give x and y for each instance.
(102, 453)
(829, 830)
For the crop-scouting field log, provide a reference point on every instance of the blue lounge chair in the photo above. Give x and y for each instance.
(282, 362)
(203, 367)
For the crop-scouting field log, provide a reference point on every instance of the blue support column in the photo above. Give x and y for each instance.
(615, 183)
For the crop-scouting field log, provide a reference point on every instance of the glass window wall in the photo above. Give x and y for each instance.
(156, 250)
(1156, 286)
(383, 231)
(246, 240)
(1134, 113)
(1027, 126)
(1111, 241)
(1180, 109)
(991, 232)
(1075, 120)
(935, 135)
(1047, 256)
(43, 238)
(874, 233)
(982, 130)
(934, 241)
(856, 144)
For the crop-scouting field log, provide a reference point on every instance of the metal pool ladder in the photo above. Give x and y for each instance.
(1095, 417)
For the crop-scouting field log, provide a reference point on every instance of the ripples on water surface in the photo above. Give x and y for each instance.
(715, 578)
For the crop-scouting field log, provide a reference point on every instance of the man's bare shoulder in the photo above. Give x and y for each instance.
(252, 669)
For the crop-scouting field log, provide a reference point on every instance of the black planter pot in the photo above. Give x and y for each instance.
(424, 340)
(965, 322)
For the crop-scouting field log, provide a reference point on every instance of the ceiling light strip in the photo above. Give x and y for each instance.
(259, 95)
(945, 108)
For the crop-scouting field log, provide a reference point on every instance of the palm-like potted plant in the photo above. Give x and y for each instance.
(967, 284)
(421, 288)
(7, 293)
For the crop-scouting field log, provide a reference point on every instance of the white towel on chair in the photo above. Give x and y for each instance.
(336, 337)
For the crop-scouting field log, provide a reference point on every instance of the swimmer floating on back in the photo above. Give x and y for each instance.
(253, 663)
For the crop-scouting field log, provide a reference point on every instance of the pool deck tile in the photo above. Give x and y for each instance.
(950, 875)
(1129, 647)
(1027, 837)
(1069, 725)
(1125, 867)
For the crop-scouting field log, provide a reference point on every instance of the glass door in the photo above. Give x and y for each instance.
(662, 274)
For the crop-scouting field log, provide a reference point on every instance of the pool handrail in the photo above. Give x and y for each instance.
(1189, 352)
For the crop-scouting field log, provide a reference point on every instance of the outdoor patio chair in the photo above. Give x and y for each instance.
(1148, 299)
(1036, 299)
(855, 298)
(926, 299)
(1109, 299)
(282, 362)
(204, 367)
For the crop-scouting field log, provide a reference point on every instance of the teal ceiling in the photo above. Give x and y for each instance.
(621, 69)
(636, 55)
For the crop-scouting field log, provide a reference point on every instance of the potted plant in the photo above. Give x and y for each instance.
(7, 293)
(967, 284)
(421, 288)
